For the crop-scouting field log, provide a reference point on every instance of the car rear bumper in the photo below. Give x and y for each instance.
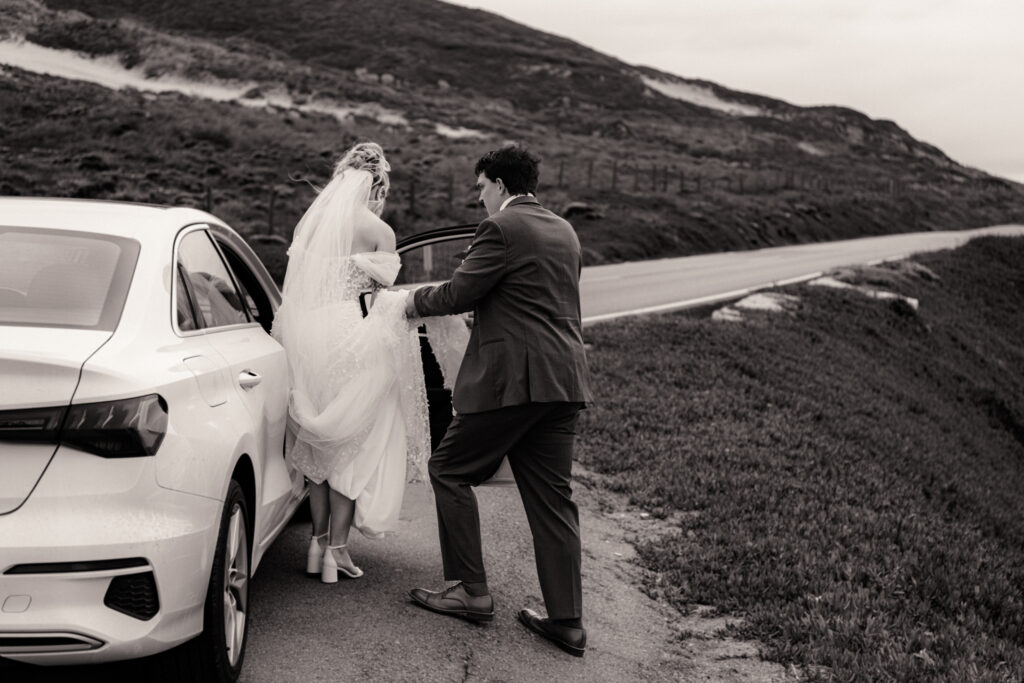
(102, 564)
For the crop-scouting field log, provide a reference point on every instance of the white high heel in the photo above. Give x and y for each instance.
(329, 573)
(315, 555)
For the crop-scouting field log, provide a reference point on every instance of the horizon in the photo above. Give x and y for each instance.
(952, 88)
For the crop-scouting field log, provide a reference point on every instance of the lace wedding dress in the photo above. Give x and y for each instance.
(357, 414)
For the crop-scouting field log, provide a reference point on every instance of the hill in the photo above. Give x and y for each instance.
(847, 476)
(647, 163)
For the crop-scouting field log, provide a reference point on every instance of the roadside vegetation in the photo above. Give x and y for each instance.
(848, 476)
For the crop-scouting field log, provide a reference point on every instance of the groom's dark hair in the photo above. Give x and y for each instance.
(516, 167)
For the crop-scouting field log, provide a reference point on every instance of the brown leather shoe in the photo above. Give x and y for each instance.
(455, 602)
(572, 640)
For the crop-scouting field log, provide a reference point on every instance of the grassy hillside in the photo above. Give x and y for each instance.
(657, 176)
(848, 476)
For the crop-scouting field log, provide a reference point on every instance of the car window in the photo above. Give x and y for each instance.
(256, 300)
(185, 311)
(432, 262)
(60, 278)
(214, 295)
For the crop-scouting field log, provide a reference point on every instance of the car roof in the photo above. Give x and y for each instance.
(125, 219)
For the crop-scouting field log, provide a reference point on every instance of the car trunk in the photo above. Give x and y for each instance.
(40, 368)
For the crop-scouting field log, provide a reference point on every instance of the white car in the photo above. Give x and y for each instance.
(142, 422)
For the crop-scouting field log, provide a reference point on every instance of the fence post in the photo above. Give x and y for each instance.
(270, 211)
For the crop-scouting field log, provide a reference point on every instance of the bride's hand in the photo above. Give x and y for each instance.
(410, 307)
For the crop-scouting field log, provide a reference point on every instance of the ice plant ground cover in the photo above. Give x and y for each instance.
(848, 476)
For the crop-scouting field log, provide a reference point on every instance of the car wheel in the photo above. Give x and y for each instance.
(216, 655)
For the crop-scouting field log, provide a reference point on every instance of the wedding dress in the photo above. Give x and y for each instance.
(357, 408)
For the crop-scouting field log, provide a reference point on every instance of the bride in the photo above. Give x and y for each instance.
(357, 407)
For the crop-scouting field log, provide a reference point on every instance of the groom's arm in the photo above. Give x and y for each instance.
(483, 267)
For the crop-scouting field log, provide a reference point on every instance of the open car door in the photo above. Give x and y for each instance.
(430, 257)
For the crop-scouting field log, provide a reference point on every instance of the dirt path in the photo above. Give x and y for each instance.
(368, 630)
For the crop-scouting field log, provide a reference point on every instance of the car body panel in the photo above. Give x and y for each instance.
(40, 367)
(249, 352)
(22, 464)
(96, 509)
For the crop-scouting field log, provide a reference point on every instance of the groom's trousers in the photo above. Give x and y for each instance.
(538, 439)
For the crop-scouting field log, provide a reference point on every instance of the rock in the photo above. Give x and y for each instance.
(727, 314)
(768, 301)
(827, 281)
(581, 209)
(916, 269)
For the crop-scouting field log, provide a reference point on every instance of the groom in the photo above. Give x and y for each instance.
(519, 390)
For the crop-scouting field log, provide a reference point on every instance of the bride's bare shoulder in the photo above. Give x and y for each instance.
(383, 234)
(386, 238)
(373, 234)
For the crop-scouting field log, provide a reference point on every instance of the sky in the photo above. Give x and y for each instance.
(950, 72)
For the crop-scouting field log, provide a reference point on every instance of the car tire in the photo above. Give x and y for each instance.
(216, 655)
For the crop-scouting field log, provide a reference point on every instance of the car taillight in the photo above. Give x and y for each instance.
(117, 429)
(35, 425)
(113, 429)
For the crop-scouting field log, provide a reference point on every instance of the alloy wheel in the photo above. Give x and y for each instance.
(236, 585)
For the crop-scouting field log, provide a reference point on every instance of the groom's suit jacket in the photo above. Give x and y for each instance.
(521, 278)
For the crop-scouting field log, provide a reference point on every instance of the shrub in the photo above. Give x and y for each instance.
(95, 38)
(853, 472)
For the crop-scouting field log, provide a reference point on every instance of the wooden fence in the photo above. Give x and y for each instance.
(415, 197)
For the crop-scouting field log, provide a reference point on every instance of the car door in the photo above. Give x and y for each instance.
(433, 255)
(428, 257)
(256, 364)
(261, 298)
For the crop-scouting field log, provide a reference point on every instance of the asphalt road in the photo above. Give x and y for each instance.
(669, 284)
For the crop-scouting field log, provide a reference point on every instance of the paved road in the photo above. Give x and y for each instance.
(668, 284)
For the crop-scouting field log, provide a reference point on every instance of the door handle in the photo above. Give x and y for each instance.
(247, 379)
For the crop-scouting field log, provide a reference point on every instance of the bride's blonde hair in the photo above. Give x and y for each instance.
(368, 156)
